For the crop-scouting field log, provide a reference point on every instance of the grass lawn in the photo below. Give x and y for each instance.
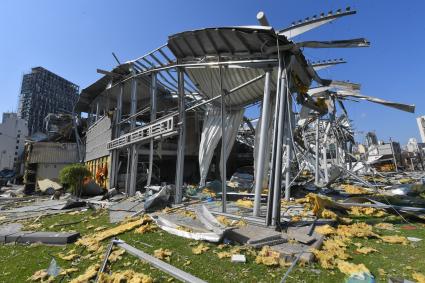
(18, 261)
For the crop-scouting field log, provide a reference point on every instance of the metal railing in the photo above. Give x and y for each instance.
(158, 128)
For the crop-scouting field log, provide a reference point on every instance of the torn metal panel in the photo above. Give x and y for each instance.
(175, 229)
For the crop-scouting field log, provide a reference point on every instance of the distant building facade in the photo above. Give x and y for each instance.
(13, 132)
(421, 125)
(43, 92)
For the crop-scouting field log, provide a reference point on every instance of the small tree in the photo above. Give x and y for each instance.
(73, 176)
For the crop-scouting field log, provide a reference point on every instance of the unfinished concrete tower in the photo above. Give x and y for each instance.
(43, 92)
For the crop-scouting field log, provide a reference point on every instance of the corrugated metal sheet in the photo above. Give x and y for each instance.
(231, 42)
(51, 152)
(98, 137)
(208, 81)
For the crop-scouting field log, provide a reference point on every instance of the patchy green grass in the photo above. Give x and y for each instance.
(18, 262)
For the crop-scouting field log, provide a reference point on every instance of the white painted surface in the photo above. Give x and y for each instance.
(12, 138)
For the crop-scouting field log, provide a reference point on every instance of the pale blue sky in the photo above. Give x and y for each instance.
(73, 38)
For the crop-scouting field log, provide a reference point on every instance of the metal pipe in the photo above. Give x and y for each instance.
(277, 182)
(259, 171)
(161, 265)
(262, 19)
(317, 151)
(182, 138)
(260, 62)
(134, 151)
(273, 156)
(223, 146)
(153, 117)
(289, 150)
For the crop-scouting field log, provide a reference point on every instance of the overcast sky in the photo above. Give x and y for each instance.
(73, 38)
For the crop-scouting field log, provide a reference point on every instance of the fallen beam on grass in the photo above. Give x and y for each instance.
(173, 271)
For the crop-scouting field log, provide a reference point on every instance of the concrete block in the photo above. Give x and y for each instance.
(238, 258)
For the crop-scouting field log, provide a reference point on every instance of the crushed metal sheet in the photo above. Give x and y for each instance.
(125, 276)
(90, 273)
(201, 248)
(163, 254)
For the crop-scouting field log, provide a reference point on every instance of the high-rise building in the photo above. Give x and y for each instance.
(43, 92)
(13, 132)
(421, 126)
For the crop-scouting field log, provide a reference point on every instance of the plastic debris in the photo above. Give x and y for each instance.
(53, 269)
(358, 271)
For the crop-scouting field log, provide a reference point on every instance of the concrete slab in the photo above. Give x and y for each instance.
(289, 251)
(51, 238)
(300, 234)
(255, 235)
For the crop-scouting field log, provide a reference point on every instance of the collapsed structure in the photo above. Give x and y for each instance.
(172, 107)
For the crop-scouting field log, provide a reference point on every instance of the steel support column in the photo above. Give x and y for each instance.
(289, 128)
(317, 176)
(262, 154)
(133, 148)
(277, 182)
(115, 154)
(182, 138)
(274, 144)
(223, 147)
(153, 99)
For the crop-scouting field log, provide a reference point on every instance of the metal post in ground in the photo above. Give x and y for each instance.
(153, 99)
(261, 157)
(277, 182)
(133, 148)
(182, 138)
(223, 146)
(317, 176)
(274, 144)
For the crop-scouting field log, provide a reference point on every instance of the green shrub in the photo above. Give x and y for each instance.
(73, 176)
